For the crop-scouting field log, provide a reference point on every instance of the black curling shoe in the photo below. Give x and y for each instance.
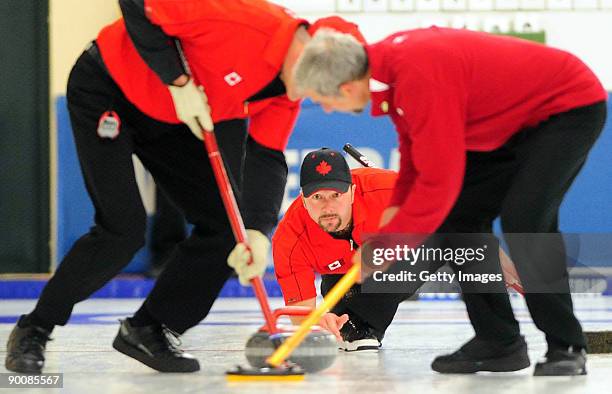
(25, 349)
(155, 346)
(479, 355)
(562, 362)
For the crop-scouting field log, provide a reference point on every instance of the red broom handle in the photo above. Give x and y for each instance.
(233, 214)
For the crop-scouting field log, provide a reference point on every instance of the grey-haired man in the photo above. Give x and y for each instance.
(488, 126)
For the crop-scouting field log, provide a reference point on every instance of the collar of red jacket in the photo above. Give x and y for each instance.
(339, 24)
(380, 80)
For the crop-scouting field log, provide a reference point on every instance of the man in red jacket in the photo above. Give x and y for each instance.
(319, 234)
(488, 126)
(321, 231)
(135, 90)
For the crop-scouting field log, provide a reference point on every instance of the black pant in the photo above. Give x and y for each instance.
(187, 288)
(524, 183)
(375, 309)
(167, 229)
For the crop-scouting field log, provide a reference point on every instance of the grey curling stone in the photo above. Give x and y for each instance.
(317, 352)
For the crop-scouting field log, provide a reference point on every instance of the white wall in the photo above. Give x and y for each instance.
(73, 23)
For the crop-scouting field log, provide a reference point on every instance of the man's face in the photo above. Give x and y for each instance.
(331, 209)
(353, 98)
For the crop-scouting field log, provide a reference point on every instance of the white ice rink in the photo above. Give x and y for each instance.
(82, 351)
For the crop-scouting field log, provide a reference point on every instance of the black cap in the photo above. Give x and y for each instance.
(324, 169)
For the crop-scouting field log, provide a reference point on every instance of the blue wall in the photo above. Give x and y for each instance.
(586, 209)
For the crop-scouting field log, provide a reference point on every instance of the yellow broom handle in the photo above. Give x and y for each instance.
(331, 299)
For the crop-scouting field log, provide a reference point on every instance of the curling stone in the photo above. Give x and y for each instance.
(317, 352)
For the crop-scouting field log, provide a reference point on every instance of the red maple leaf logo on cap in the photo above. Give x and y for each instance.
(323, 168)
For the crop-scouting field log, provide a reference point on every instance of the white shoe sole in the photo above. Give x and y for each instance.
(362, 345)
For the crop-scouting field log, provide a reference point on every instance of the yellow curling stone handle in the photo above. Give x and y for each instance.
(335, 294)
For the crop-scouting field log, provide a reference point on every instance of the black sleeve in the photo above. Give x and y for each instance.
(265, 177)
(155, 47)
